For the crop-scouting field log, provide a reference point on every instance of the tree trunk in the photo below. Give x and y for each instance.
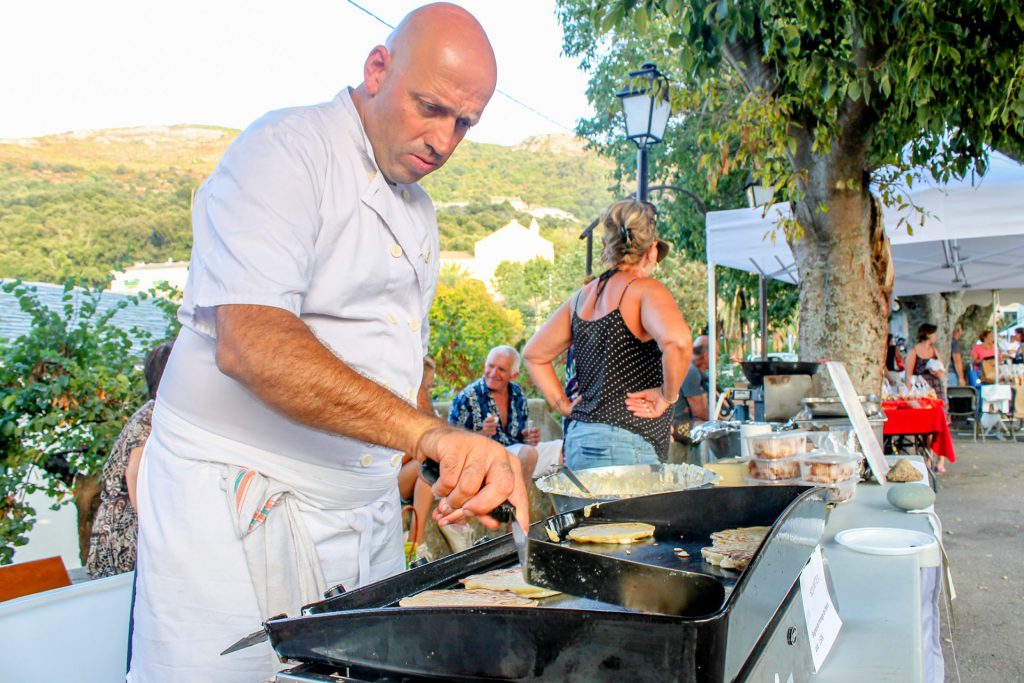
(941, 310)
(87, 501)
(846, 275)
(974, 320)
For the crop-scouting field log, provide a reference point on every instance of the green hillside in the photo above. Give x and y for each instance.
(81, 203)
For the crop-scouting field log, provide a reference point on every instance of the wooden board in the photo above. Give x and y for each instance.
(26, 578)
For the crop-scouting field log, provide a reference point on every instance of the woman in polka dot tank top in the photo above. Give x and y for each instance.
(631, 344)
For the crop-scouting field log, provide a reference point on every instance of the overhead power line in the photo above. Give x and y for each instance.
(501, 92)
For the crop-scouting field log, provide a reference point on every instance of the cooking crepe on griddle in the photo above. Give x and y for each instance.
(510, 580)
(473, 597)
(621, 532)
(734, 548)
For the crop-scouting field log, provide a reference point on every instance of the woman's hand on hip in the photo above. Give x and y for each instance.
(565, 406)
(648, 403)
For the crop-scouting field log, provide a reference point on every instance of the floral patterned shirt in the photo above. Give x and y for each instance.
(474, 403)
(115, 527)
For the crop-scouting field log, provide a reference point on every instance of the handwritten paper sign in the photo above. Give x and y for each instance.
(823, 622)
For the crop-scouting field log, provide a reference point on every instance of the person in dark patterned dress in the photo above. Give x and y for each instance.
(114, 529)
(631, 345)
(918, 363)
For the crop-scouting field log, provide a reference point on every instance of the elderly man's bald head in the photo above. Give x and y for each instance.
(424, 89)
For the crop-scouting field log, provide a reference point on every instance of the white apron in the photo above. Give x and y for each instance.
(201, 585)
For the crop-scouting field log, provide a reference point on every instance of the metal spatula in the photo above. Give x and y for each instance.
(571, 476)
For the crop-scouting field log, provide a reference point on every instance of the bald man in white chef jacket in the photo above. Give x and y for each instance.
(271, 472)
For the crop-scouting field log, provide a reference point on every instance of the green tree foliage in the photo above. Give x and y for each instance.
(67, 386)
(56, 224)
(688, 282)
(818, 99)
(551, 171)
(78, 205)
(527, 287)
(466, 323)
(674, 163)
(536, 288)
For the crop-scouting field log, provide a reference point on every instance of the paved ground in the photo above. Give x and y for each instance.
(981, 505)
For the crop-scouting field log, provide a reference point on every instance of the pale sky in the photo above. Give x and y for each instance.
(73, 65)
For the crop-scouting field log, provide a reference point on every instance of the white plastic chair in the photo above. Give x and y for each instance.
(996, 411)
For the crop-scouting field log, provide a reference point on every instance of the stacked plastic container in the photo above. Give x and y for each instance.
(774, 457)
(800, 457)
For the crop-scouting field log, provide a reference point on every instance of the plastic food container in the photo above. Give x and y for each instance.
(824, 468)
(816, 441)
(751, 481)
(773, 469)
(750, 429)
(836, 493)
(777, 445)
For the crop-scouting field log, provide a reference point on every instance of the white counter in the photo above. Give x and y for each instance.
(880, 597)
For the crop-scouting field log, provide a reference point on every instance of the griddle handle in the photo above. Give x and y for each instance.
(430, 470)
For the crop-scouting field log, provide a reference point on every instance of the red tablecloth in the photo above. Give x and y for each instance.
(928, 418)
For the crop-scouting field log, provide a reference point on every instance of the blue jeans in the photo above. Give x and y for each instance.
(595, 444)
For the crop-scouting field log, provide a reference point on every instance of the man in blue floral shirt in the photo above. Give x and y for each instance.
(495, 406)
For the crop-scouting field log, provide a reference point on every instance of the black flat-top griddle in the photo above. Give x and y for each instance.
(363, 635)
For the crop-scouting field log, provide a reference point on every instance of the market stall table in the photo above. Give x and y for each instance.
(920, 417)
(889, 604)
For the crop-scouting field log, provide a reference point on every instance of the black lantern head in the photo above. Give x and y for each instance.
(646, 106)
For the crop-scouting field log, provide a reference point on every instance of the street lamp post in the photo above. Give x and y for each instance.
(646, 107)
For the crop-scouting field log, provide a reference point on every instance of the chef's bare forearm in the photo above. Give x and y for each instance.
(278, 358)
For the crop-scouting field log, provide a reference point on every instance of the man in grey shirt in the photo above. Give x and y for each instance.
(956, 360)
(693, 408)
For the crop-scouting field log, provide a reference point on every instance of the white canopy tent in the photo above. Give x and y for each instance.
(972, 238)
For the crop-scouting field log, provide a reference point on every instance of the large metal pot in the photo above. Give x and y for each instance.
(622, 481)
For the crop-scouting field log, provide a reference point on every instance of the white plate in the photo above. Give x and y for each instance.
(885, 540)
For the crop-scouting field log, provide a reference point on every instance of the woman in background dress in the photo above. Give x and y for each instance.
(115, 527)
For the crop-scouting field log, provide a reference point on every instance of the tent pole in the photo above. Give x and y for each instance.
(995, 328)
(712, 339)
(762, 294)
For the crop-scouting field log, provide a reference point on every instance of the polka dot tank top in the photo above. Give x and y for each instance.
(611, 361)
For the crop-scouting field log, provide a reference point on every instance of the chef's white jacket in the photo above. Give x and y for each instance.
(298, 216)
